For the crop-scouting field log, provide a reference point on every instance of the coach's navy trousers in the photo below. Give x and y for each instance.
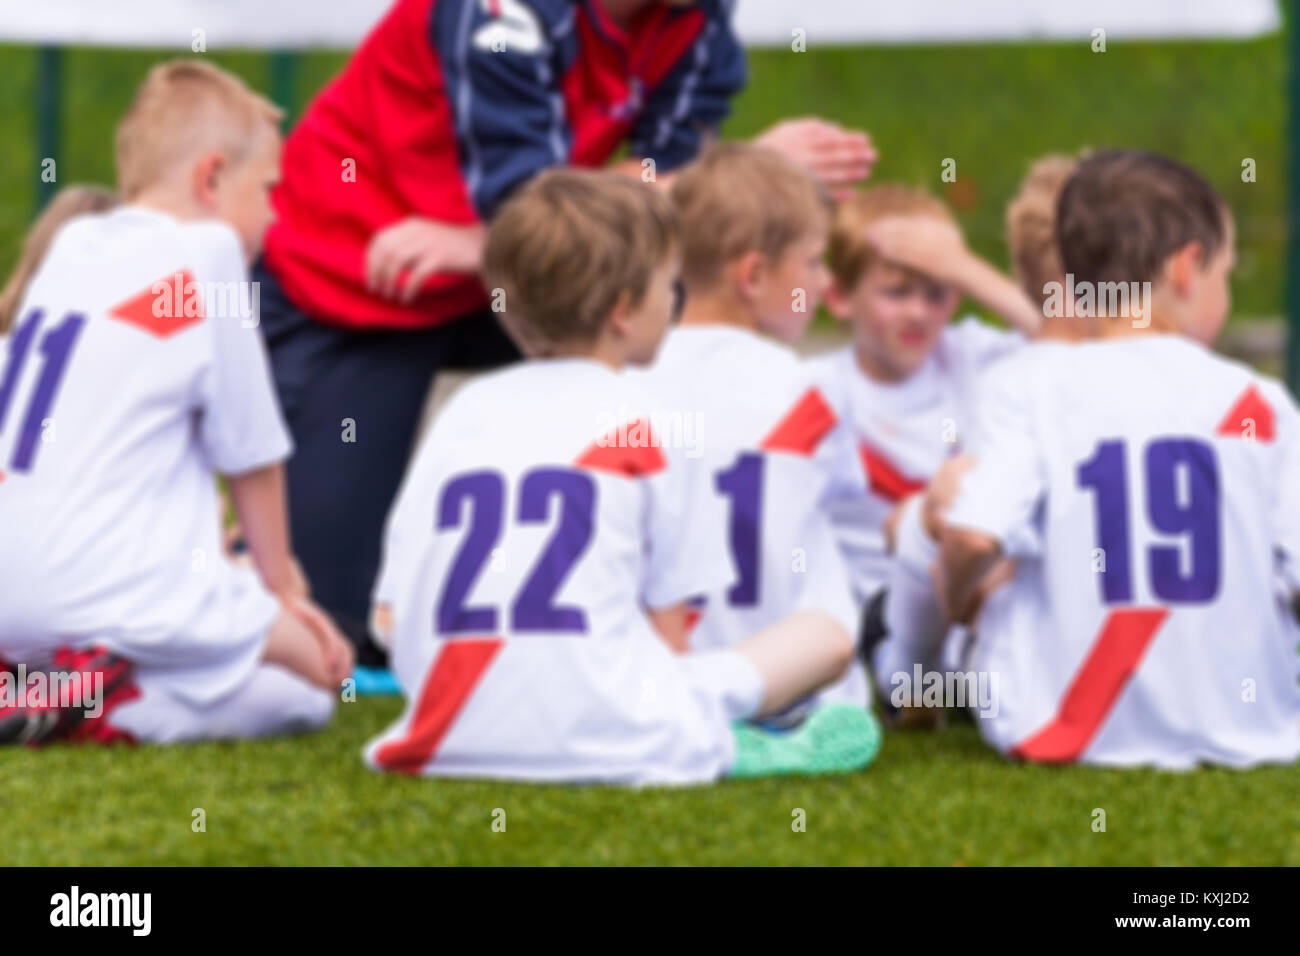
(352, 400)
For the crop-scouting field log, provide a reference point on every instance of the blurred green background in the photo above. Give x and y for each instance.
(992, 108)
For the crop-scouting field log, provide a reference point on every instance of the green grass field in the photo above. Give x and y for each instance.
(931, 799)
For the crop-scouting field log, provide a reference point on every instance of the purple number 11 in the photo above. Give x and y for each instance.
(56, 347)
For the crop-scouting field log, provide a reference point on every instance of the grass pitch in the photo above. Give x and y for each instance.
(931, 799)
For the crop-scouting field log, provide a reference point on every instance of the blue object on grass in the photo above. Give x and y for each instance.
(375, 682)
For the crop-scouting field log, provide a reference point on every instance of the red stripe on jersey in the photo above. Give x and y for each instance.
(884, 478)
(632, 450)
(456, 673)
(1253, 409)
(803, 427)
(1114, 658)
(173, 296)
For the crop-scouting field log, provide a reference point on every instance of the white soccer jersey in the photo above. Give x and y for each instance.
(768, 442)
(905, 430)
(121, 389)
(542, 514)
(1149, 489)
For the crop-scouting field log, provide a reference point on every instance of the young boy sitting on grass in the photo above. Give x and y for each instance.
(899, 268)
(539, 561)
(754, 232)
(1149, 489)
(124, 394)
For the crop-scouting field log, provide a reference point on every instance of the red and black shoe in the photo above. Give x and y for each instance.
(34, 723)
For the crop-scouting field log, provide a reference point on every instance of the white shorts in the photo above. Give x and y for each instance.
(273, 702)
(726, 679)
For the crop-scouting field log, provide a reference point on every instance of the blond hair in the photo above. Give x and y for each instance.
(184, 107)
(568, 246)
(69, 202)
(739, 198)
(848, 254)
(1031, 224)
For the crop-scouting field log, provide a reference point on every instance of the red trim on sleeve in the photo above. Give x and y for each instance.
(455, 674)
(631, 450)
(1250, 405)
(803, 427)
(1106, 671)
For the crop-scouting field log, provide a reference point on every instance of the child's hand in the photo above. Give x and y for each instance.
(335, 648)
(839, 158)
(925, 244)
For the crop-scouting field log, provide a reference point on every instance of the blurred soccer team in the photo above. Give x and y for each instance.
(1090, 505)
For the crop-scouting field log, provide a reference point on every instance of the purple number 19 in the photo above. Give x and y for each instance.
(1197, 518)
(56, 347)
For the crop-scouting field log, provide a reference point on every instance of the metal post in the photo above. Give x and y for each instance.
(284, 82)
(49, 109)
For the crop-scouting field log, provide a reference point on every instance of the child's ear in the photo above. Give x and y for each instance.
(836, 301)
(205, 179)
(619, 322)
(749, 273)
(1183, 267)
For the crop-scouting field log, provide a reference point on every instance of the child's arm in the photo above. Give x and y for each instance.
(936, 248)
(965, 558)
(670, 622)
(259, 502)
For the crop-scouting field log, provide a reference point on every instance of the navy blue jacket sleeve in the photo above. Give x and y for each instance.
(501, 68)
(691, 102)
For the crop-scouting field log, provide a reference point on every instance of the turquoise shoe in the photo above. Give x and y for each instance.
(375, 682)
(836, 738)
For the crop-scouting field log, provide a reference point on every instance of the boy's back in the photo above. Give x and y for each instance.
(1151, 487)
(772, 447)
(116, 405)
(525, 543)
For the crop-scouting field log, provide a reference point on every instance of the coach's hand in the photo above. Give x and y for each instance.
(840, 158)
(402, 256)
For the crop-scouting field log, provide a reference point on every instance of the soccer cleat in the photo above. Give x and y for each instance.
(375, 682)
(35, 723)
(836, 738)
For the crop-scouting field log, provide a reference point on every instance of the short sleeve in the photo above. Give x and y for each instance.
(837, 453)
(685, 529)
(971, 345)
(240, 426)
(1001, 494)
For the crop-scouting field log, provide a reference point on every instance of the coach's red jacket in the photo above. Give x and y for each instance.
(449, 104)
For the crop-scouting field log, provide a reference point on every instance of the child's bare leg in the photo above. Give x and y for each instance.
(796, 656)
(293, 646)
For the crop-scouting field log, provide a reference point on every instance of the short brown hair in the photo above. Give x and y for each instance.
(1125, 212)
(739, 198)
(567, 245)
(849, 255)
(183, 106)
(69, 202)
(1031, 223)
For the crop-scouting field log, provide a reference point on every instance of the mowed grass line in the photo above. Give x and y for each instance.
(931, 799)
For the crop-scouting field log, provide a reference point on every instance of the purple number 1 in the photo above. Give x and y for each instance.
(56, 346)
(743, 484)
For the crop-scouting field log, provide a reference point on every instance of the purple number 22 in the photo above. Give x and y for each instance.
(533, 608)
